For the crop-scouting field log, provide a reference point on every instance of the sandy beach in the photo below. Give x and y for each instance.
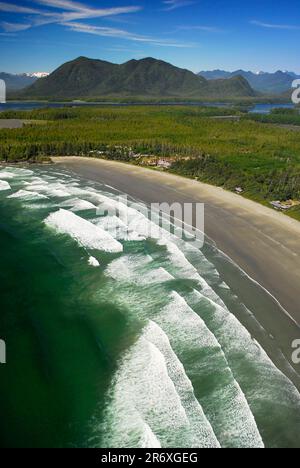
(264, 243)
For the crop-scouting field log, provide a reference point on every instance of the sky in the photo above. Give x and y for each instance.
(40, 35)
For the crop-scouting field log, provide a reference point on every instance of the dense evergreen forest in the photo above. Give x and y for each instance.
(262, 159)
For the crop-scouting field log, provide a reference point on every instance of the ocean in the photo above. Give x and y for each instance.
(115, 339)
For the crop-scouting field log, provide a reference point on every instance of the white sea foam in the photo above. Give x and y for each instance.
(202, 264)
(223, 285)
(125, 213)
(27, 195)
(79, 192)
(37, 181)
(134, 220)
(36, 206)
(52, 190)
(36, 186)
(117, 228)
(19, 172)
(237, 341)
(131, 219)
(200, 428)
(84, 232)
(4, 186)
(93, 262)
(144, 396)
(76, 204)
(135, 269)
(234, 423)
(149, 440)
(143, 391)
(6, 175)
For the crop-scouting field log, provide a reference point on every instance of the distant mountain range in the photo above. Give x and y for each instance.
(88, 78)
(17, 82)
(267, 83)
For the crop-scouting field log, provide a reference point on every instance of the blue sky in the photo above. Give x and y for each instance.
(40, 35)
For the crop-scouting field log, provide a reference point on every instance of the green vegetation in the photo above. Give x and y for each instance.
(85, 78)
(264, 160)
(277, 116)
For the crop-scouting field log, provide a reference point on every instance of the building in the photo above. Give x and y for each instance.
(164, 163)
(281, 206)
(239, 190)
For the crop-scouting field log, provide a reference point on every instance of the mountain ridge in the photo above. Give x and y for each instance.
(148, 77)
(278, 82)
(17, 82)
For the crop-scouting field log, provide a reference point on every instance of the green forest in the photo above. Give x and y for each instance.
(246, 152)
(277, 116)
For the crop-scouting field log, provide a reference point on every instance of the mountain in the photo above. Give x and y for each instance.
(88, 78)
(16, 82)
(38, 74)
(267, 83)
(215, 74)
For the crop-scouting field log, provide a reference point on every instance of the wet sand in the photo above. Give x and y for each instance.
(264, 243)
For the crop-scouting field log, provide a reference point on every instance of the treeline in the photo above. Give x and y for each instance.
(263, 160)
(277, 116)
(276, 185)
(63, 112)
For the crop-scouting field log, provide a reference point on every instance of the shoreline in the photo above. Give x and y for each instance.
(261, 242)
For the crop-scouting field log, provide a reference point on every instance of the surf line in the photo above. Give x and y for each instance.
(112, 458)
(2, 352)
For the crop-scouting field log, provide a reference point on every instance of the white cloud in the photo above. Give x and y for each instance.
(209, 29)
(11, 8)
(14, 27)
(63, 4)
(122, 34)
(74, 11)
(274, 26)
(174, 4)
(79, 11)
(68, 13)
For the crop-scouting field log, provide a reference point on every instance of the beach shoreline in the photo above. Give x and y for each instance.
(262, 242)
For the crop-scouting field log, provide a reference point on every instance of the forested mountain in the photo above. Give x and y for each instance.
(267, 83)
(87, 78)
